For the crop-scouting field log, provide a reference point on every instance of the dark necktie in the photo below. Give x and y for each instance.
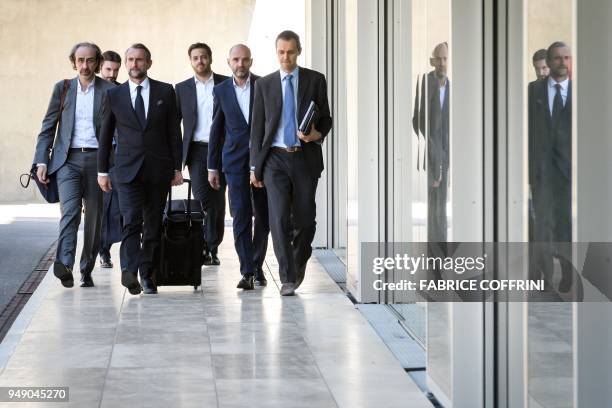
(290, 133)
(557, 104)
(139, 107)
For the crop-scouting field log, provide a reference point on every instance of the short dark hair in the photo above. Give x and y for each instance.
(93, 47)
(197, 45)
(111, 56)
(539, 55)
(288, 35)
(556, 44)
(140, 46)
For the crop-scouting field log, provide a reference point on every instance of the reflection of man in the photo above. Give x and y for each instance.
(229, 150)
(110, 66)
(111, 216)
(287, 161)
(550, 153)
(539, 64)
(147, 162)
(74, 161)
(432, 117)
(195, 107)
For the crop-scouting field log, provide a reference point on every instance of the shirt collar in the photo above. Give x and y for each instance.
(89, 87)
(552, 83)
(295, 73)
(210, 78)
(144, 84)
(246, 84)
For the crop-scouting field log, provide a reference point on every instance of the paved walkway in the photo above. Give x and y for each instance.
(220, 347)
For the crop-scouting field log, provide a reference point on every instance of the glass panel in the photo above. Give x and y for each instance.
(549, 133)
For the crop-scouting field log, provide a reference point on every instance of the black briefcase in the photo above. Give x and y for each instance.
(182, 243)
(49, 191)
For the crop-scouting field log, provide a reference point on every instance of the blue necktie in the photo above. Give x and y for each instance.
(290, 135)
(139, 107)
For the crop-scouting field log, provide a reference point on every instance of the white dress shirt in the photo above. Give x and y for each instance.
(552, 91)
(145, 91)
(243, 95)
(83, 131)
(205, 109)
(279, 138)
(443, 93)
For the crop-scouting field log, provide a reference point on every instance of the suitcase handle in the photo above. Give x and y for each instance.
(188, 181)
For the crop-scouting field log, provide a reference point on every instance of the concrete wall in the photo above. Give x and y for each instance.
(37, 35)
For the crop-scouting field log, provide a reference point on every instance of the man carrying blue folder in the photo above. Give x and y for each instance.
(228, 151)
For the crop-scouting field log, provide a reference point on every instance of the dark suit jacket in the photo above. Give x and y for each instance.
(432, 121)
(157, 147)
(550, 157)
(60, 143)
(187, 103)
(267, 113)
(228, 147)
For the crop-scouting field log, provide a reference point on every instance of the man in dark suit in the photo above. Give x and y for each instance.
(195, 108)
(73, 161)
(432, 119)
(286, 160)
(229, 150)
(111, 216)
(550, 163)
(147, 162)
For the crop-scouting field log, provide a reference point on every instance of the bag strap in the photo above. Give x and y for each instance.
(62, 100)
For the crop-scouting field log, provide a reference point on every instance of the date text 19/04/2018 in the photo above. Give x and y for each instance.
(462, 284)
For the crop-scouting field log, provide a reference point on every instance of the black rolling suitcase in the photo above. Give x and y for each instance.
(182, 243)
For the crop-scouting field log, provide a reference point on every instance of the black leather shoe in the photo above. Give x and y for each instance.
(207, 259)
(106, 262)
(246, 283)
(148, 287)
(63, 273)
(261, 280)
(287, 289)
(214, 260)
(130, 281)
(86, 281)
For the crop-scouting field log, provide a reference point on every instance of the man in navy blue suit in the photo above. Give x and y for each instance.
(229, 152)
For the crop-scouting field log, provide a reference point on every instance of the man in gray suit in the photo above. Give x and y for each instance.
(71, 156)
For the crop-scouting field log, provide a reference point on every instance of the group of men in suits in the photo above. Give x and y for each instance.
(240, 132)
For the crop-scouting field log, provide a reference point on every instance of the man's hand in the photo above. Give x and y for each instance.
(41, 173)
(178, 179)
(214, 180)
(313, 136)
(105, 183)
(255, 182)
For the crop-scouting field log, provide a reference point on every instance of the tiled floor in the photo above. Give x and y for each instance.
(220, 347)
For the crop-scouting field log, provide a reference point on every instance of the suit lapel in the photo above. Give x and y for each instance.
(153, 98)
(193, 97)
(70, 104)
(303, 80)
(126, 98)
(251, 97)
(97, 102)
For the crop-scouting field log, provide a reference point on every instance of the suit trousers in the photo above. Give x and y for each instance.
(213, 201)
(111, 222)
(77, 182)
(261, 229)
(437, 225)
(291, 202)
(141, 203)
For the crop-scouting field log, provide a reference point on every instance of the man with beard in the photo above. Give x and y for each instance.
(229, 151)
(550, 163)
(147, 163)
(432, 119)
(195, 108)
(111, 216)
(73, 161)
(110, 66)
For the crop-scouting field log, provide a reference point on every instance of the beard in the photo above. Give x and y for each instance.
(241, 73)
(137, 73)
